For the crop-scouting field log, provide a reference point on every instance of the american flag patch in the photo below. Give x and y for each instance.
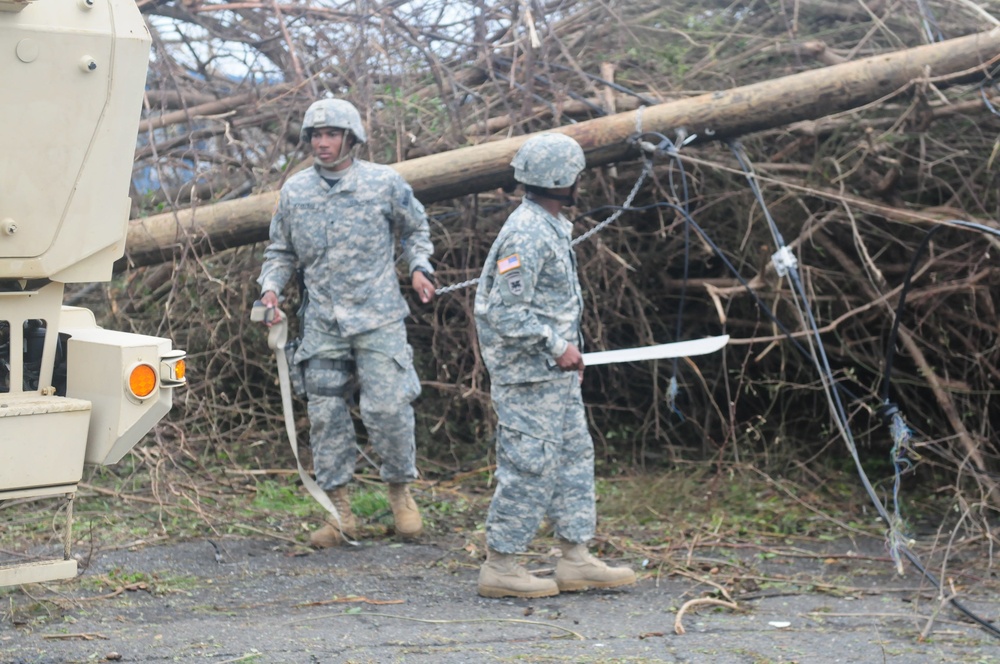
(507, 264)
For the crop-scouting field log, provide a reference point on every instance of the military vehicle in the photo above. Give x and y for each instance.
(72, 74)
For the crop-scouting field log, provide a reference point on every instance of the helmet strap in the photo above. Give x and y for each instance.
(541, 192)
(344, 154)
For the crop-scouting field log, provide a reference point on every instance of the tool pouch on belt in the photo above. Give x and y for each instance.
(296, 372)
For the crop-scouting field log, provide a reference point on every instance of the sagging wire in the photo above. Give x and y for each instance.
(989, 82)
(664, 146)
(729, 265)
(572, 95)
(933, 33)
(647, 168)
(931, 29)
(668, 147)
(899, 544)
(900, 456)
(785, 264)
(902, 451)
(899, 431)
(536, 97)
(890, 353)
(441, 216)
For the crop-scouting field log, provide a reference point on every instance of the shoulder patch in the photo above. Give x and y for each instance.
(514, 282)
(505, 265)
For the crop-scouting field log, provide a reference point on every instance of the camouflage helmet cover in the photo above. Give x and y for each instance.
(549, 161)
(333, 113)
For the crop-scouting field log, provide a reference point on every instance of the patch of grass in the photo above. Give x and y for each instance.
(732, 502)
(370, 502)
(283, 497)
(153, 583)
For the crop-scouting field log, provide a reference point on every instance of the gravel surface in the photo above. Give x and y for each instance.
(264, 601)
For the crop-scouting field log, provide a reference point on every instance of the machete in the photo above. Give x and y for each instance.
(659, 352)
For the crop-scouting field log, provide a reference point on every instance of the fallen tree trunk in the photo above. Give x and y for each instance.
(726, 113)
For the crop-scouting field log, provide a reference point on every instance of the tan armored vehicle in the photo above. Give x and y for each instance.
(72, 74)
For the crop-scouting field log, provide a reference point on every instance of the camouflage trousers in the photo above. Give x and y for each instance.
(545, 464)
(388, 381)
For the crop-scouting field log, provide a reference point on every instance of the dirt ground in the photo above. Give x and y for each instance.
(258, 600)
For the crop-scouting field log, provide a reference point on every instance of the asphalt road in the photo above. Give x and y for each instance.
(266, 601)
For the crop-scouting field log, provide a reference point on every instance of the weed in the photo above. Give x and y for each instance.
(370, 502)
(275, 496)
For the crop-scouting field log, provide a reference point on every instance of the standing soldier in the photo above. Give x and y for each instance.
(336, 223)
(527, 311)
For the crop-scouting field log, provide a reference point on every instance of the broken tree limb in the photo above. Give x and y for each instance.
(196, 112)
(726, 113)
(209, 108)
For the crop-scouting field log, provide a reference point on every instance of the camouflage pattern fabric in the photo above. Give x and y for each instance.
(388, 384)
(549, 161)
(527, 310)
(343, 238)
(338, 113)
(545, 464)
(528, 304)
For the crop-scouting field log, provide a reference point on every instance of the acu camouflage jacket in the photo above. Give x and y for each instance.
(343, 239)
(529, 302)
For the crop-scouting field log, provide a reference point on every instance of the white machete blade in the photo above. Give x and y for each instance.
(678, 349)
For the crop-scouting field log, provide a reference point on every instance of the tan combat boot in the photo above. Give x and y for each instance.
(404, 511)
(578, 570)
(501, 576)
(330, 534)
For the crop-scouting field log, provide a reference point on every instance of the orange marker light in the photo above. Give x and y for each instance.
(173, 369)
(142, 380)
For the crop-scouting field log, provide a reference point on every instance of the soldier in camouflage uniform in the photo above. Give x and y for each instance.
(527, 311)
(336, 222)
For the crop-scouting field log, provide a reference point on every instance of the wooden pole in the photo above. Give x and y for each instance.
(717, 115)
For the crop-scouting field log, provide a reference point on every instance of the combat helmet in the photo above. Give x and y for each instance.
(337, 113)
(549, 161)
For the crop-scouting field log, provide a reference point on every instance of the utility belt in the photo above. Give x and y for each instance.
(297, 372)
